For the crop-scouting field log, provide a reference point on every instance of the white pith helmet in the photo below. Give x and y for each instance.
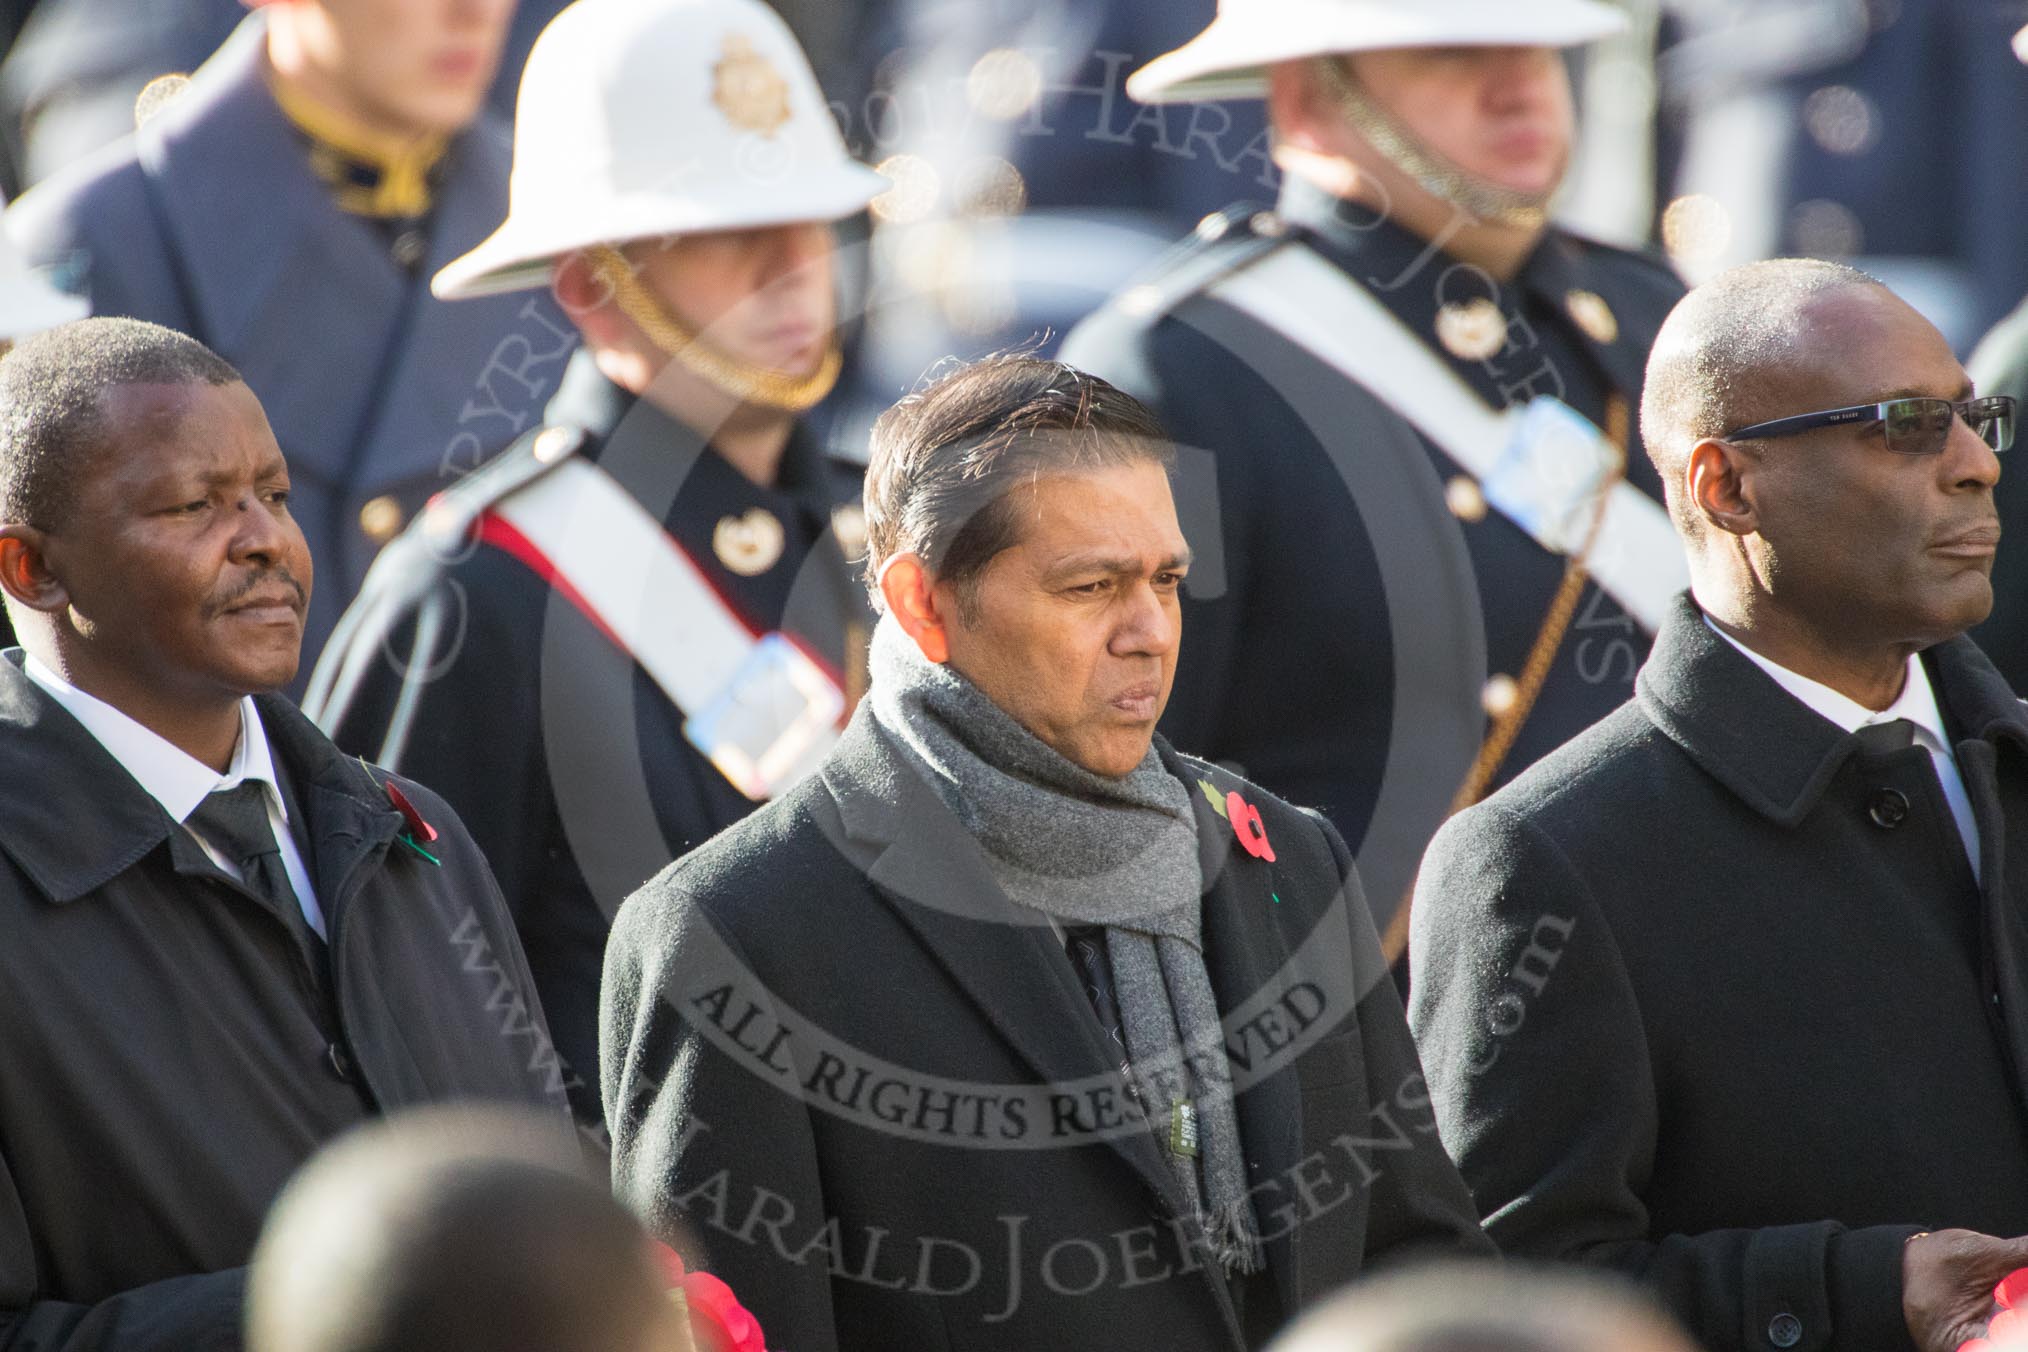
(1229, 59)
(643, 118)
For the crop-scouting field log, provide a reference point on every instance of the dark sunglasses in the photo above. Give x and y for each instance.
(1914, 426)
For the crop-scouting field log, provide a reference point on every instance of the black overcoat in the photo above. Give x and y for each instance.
(879, 1097)
(170, 1051)
(1710, 996)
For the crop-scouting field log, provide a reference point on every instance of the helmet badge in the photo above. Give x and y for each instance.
(748, 89)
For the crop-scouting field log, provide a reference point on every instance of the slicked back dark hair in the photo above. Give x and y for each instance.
(52, 404)
(945, 458)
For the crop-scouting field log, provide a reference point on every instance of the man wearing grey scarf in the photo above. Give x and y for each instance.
(1013, 1026)
(1086, 849)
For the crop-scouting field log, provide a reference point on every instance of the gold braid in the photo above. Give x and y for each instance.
(744, 381)
(1535, 671)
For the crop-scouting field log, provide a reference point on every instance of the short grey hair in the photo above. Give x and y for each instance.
(52, 403)
(1720, 359)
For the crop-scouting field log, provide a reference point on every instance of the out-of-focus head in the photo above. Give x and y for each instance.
(1484, 129)
(1466, 102)
(676, 173)
(1463, 1307)
(400, 67)
(1020, 527)
(145, 533)
(452, 1230)
(1879, 530)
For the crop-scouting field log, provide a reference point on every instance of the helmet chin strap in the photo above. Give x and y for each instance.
(1488, 203)
(743, 380)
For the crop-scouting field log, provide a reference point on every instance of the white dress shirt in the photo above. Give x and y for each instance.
(1917, 704)
(179, 781)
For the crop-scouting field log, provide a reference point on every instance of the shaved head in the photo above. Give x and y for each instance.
(1837, 550)
(1729, 356)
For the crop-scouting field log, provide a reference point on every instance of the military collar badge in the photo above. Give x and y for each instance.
(750, 544)
(1589, 311)
(1471, 330)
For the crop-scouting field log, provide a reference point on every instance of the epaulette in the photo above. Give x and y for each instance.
(1222, 243)
(1646, 258)
(412, 564)
(452, 511)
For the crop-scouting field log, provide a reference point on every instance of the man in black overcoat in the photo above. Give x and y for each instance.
(1729, 992)
(225, 941)
(1012, 1027)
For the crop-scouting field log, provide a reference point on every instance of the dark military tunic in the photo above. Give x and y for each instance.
(2000, 366)
(1341, 620)
(562, 753)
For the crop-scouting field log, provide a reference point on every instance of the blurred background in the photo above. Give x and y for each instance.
(1027, 185)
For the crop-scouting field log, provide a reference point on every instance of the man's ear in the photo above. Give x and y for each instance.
(1716, 478)
(910, 594)
(587, 298)
(24, 570)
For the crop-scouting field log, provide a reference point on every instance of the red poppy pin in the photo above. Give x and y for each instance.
(417, 827)
(1247, 825)
(718, 1322)
(420, 832)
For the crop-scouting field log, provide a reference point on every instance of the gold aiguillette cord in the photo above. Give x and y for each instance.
(1506, 726)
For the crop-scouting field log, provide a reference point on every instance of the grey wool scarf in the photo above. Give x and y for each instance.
(1084, 849)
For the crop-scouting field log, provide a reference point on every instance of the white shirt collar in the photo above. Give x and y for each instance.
(1917, 703)
(172, 776)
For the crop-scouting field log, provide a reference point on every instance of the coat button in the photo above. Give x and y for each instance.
(1784, 1330)
(339, 1061)
(381, 519)
(408, 248)
(1888, 808)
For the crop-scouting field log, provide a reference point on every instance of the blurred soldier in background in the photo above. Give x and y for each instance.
(287, 210)
(1410, 396)
(2000, 366)
(639, 622)
(1029, 187)
(73, 74)
(1864, 131)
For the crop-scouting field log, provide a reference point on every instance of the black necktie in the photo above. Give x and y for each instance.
(235, 823)
(1087, 947)
(1880, 738)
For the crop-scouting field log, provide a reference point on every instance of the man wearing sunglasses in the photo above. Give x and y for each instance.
(1731, 992)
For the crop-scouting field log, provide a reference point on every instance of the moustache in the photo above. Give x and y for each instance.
(255, 582)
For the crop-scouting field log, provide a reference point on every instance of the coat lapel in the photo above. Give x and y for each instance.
(1245, 946)
(1769, 748)
(1977, 700)
(934, 876)
(87, 820)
